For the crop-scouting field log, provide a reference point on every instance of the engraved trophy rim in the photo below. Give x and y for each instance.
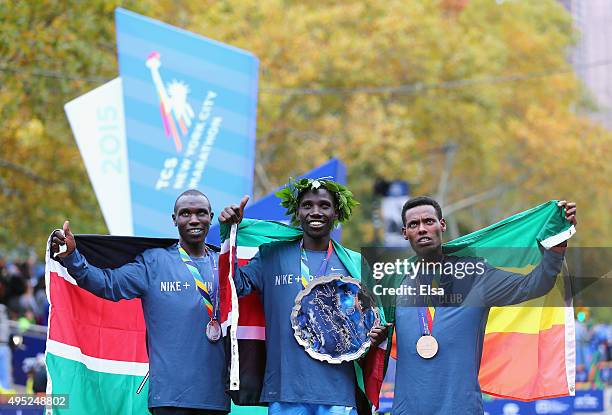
(305, 345)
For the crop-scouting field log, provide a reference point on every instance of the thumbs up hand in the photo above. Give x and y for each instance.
(63, 238)
(234, 213)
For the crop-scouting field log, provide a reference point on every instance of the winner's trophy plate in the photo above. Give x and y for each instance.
(332, 317)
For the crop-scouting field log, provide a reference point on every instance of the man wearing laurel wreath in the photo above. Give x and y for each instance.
(294, 382)
(178, 286)
(439, 345)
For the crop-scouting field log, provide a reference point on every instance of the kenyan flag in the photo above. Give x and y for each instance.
(96, 348)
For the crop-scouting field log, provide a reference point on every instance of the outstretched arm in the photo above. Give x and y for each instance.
(502, 288)
(126, 282)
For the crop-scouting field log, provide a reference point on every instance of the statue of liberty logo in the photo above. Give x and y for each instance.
(176, 113)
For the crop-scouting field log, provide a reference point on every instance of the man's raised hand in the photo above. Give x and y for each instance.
(570, 211)
(61, 238)
(234, 213)
(570, 216)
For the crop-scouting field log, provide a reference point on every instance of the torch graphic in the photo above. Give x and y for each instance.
(173, 104)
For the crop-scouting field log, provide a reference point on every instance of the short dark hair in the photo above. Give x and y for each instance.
(192, 192)
(420, 201)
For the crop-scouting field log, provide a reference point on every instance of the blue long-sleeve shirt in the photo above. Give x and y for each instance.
(448, 383)
(291, 375)
(185, 369)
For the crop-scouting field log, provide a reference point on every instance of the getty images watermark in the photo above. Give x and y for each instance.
(424, 278)
(474, 276)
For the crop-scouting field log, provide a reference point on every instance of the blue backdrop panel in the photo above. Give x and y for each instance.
(190, 111)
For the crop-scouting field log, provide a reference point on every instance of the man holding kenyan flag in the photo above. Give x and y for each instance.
(295, 383)
(178, 285)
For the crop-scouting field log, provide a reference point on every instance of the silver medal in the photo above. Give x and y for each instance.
(213, 331)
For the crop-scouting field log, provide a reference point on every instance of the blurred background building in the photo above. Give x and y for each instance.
(592, 57)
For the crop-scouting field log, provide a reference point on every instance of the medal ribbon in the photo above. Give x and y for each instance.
(431, 310)
(305, 271)
(199, 282)
(424, 321)
(426, 315)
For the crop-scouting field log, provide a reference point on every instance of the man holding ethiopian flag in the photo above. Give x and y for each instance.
(440, 330)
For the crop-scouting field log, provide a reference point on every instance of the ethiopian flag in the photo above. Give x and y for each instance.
(529, 349)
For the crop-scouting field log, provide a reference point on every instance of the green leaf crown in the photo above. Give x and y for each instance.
(290, 196)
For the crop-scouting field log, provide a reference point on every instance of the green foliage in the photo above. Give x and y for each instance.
(51, 52)
(492, 79)
(601, 315)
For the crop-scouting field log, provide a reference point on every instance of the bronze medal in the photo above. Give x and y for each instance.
(427, 346)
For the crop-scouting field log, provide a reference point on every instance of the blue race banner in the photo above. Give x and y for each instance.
(269, 208)
(585, 401)
(557, 406)
(190, 112)
(589, 401)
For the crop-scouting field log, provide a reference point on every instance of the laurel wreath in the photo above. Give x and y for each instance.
(290, 196)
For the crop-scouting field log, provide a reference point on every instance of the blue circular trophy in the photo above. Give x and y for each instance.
(332, 317)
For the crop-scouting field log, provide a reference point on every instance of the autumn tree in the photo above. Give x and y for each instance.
(394, 89)
(386, 87)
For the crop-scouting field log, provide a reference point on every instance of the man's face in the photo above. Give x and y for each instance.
(317, 213)
(192, 218)
(423, 229)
